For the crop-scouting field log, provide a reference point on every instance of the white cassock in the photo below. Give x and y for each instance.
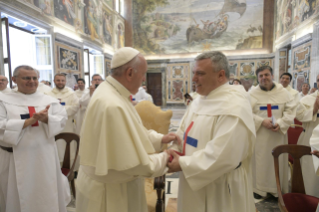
(309, 122)
(30, 177)
(79, 116)
(283, 108)
(6, 90)
(314, 144)
(70, 102)
(115, 153)
(43, 88)
(220, 136)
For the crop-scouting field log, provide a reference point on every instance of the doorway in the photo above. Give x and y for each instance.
(154, 87)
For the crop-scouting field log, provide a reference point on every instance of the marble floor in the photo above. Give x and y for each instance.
(268, 204)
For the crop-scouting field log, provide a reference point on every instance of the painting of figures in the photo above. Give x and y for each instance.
(92, 12)
(67, 58)
(110, 3)
(291, 13)
(65, 10)
(107, 27)
(120, 35)
(179, 26)
(45, 5)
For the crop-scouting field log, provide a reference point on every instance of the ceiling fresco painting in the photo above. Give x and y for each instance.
(187, 26)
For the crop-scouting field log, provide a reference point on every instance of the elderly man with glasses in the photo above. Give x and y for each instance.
(30, 175)
(3, 84)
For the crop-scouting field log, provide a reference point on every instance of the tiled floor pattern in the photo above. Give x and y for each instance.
(268, 204)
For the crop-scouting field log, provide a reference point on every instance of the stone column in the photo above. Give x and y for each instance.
(314, 71)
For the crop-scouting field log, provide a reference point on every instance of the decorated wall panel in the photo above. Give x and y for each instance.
(292, 13)
(301, 57)
(93, 20)
(170, 27)
(178, 82)
(68, 60)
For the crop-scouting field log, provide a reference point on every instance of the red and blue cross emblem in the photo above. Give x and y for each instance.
(30, 114)
(269, 107)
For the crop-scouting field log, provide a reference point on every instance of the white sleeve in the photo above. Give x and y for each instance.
(73, 106)
(11, 130)
(56, 120)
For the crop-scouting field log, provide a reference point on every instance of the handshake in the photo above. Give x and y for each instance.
(173, 156)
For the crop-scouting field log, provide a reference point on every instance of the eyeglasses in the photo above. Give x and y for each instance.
(29, 78)
(3, 80)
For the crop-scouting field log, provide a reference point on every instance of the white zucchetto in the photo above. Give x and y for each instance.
(123, 56)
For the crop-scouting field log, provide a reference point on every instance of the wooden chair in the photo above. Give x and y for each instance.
(66, 168)
(156, 119)
(297, 200)
(294, 133)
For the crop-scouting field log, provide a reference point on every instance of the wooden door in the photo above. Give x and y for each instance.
(154, 87)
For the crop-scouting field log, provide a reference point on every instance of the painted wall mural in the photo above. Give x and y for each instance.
(178, 82)
(301, 57)
(93, 19)
(179, 26)
(291, 13)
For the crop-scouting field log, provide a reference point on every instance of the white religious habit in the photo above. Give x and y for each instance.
(301, 95)
(43, 88)
(79, 116)
(277, 103)
(309, 122)
(219, 137)
(294, 93)
(70, 101)
(30, 176)
(141, 95)
(314, 144)
(116, 153)
(6, 90)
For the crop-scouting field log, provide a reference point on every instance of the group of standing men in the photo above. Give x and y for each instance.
(225, 155)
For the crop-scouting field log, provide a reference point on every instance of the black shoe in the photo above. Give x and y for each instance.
(257, 196)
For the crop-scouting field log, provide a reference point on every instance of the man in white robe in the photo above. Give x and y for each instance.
(219, 137)
(95, 82)
(274, 111)
(116, 149)
(43, 88)
(307, 113)
(70, 101)
(285, 80)
(30, 174)
(304, 90)
(3, 84)
(80, 114)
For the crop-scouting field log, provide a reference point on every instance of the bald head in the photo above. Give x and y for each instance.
(3, 82)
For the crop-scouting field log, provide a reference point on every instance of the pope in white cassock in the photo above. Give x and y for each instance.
(116, 149)
(30, 174)
(81, 112)
(70, 102)
(274, 111)
(219, 137)
(307, 113)
(3, 84)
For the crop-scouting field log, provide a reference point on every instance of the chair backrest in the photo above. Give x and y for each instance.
(294, 132)
(296, 151)
(68, 138)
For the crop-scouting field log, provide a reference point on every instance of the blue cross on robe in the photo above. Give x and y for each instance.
(191, 141)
